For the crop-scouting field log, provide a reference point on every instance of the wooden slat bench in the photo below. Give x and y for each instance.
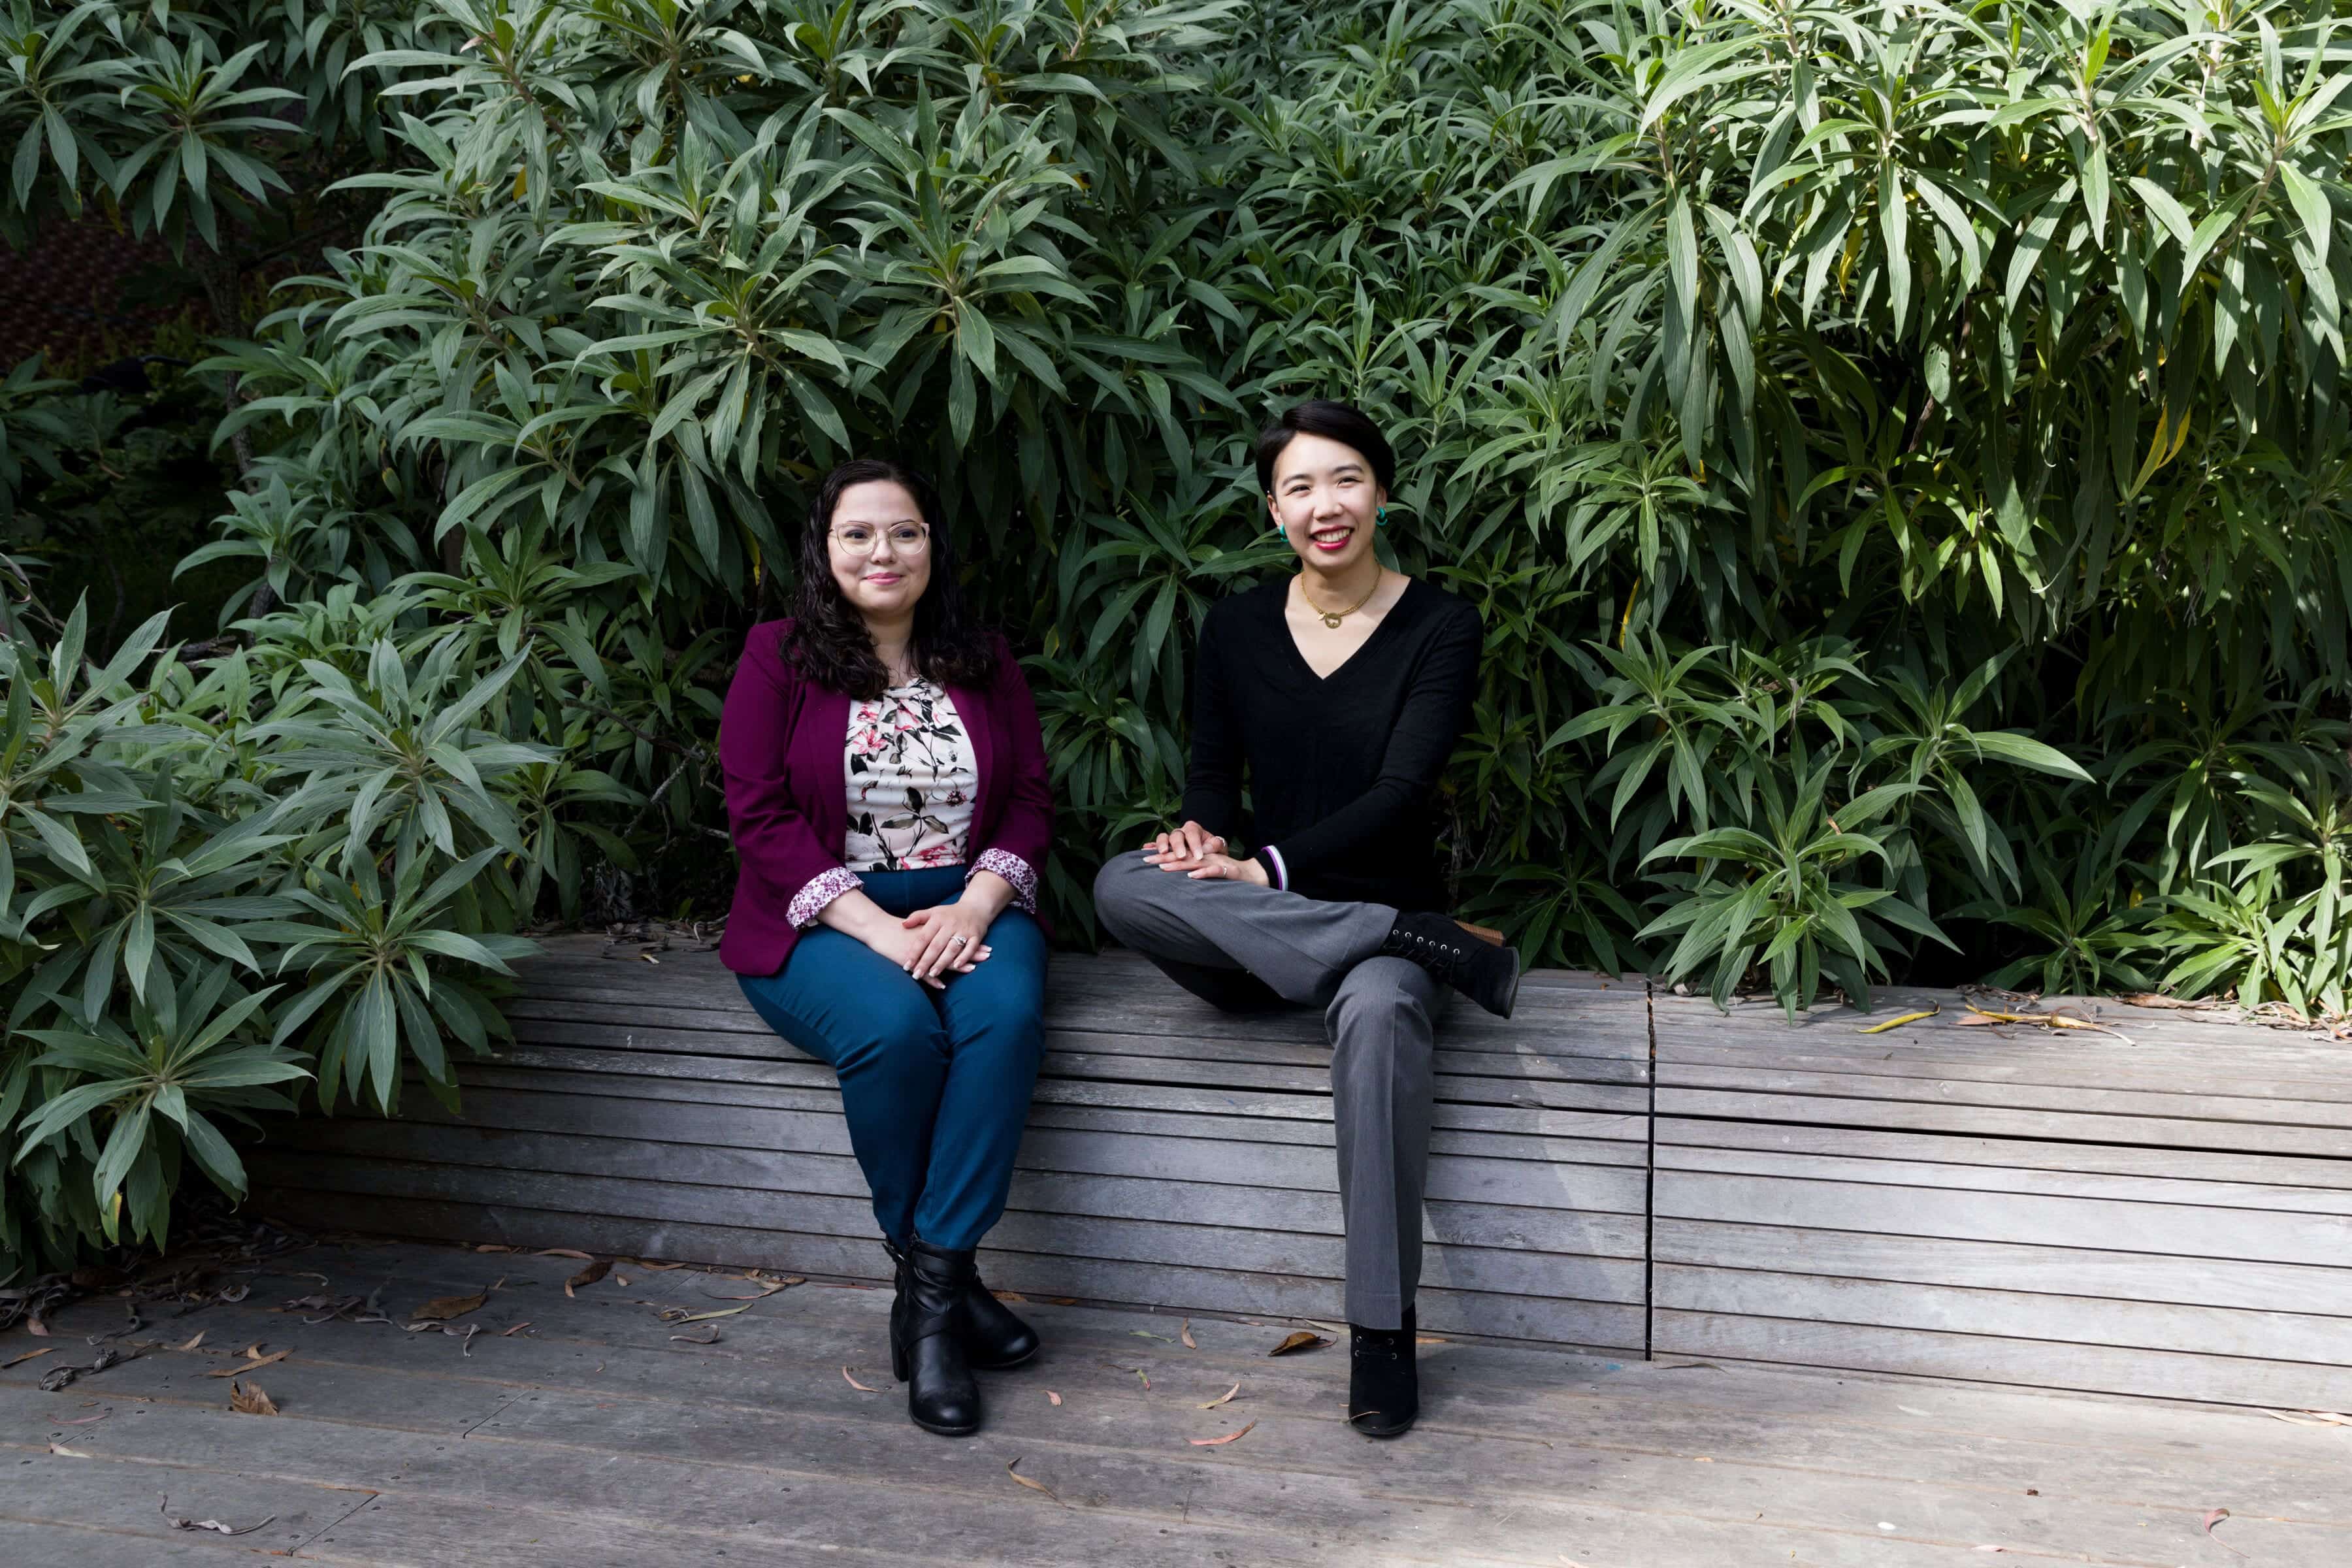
(2170, 1218)
(1175, 1156)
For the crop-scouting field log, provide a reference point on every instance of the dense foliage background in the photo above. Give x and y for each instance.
(1899, 451)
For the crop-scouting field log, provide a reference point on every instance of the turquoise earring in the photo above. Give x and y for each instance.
(1380, 517)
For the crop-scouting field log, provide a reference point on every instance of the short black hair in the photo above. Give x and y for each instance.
(1339, 422)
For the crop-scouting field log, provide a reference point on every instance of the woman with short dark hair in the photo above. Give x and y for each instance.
(887, 792)
(1338, 693)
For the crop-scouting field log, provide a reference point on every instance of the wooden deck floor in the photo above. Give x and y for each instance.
(581, 1432)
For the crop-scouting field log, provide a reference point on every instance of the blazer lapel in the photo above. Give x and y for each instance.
(971, 707)
(814, 762)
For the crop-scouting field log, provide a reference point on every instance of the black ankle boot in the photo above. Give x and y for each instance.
(1488, 974)
(1384, 1386)
(994, 1337)
(927, 1354)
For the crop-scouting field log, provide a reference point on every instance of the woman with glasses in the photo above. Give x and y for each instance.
(1338, 691)
(887, 792)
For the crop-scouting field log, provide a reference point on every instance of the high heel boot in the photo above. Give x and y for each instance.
(1383, 1383)
(927, 1350)
(994, 1336)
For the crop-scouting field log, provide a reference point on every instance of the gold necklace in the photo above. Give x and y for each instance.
(1332, 618)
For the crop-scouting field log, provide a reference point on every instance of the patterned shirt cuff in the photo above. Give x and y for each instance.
(1273, 858)
(819, 892)
(1014, 869)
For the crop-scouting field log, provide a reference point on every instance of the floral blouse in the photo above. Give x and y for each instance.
(913, 782)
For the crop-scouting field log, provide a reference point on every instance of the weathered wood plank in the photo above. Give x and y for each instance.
(1196, 1178)
(2266, 1197)
(1066, 1221)
(1606, 1139)
(1205, 1102)
(1090, 1066)
(2175, 1229)
(2185, 1164)
(2060, 1270)
(2153, 1131)
(2325, 1343)
(2042, 1363)
(1594, 1325)
(2212, 1104)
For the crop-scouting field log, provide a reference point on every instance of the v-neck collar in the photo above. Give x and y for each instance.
(1298, 657)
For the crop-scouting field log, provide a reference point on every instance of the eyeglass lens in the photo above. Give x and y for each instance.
(906, 538)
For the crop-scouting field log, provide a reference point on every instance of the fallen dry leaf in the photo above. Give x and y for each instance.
(1140, 1335)
(516, 1330)
(596, 1270)
(1024, 1480)
(1222, 1398)
(441, 1308)
(689, 1339)
(1062, 1300)
(564, 1252)
(1143, 1376)
(1054, 1397)
(1228, 1438)
(86, 1420)
(764, 1293)
(60, 1449)
(33, 1325)
(192, 1343)
(164, 1507)
(2150, 999)
(2213, 1517)
(705, 1317)
(248, 1399)
(1897, 1022)
(1301, 1341)
(494, 1247)
(239, 1369)
(28, 1356)
(657, 1268)
(1185, 1334)
(856, 1384)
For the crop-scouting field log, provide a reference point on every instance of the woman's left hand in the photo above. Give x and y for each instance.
(1225, 869)
(958, 941)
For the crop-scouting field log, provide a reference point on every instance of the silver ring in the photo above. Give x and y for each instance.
(954, 940)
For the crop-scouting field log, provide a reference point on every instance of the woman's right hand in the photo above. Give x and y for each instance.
(1183, 849)
(905, 947)
(857, 915)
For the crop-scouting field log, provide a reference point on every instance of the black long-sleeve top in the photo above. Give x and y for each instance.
(1343, 769)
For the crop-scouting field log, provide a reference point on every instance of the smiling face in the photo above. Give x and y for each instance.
(885, 582)
(1325, 501)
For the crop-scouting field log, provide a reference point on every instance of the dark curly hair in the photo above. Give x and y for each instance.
(829, 642)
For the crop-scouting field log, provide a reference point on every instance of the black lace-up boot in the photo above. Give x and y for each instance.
(1488, 974)
(994, 1337)
(1383, 1384)
(927, 1351)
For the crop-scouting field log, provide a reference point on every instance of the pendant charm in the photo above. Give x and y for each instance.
(1331, 620)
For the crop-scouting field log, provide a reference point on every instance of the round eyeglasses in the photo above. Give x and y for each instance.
(861, 539)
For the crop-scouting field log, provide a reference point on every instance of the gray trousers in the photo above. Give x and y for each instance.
(1243, 948)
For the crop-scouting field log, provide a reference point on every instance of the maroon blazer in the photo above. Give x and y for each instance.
(780, 739)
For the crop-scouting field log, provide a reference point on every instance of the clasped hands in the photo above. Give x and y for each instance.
(1201, 856)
